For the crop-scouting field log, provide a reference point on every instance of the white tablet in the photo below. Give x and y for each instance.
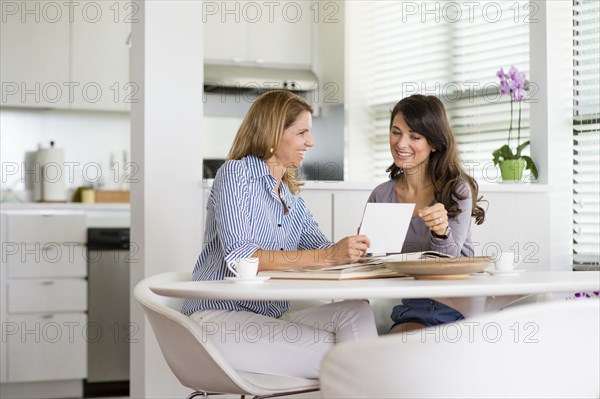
(386, 226)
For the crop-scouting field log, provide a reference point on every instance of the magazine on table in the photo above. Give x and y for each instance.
(369, 267)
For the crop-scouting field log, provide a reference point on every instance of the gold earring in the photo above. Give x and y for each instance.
(272, 150)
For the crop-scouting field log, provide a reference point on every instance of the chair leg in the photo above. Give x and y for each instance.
(275, 395)
(205, 394)
(196, 394)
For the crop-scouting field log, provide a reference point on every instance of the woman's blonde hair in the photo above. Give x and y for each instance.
(263, 126)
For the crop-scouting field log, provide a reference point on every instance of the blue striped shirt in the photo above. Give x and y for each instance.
(244, 214)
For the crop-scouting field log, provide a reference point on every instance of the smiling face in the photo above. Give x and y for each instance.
(295, 140)
(409, 148)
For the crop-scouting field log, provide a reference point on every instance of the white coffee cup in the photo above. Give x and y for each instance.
(507, 261)
(245, 267)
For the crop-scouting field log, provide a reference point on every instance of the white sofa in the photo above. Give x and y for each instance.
(543, 350)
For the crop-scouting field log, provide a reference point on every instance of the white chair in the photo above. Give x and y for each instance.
(544, 350)
(195, 362)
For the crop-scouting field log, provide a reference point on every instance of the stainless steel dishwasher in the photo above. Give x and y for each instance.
(109, 329)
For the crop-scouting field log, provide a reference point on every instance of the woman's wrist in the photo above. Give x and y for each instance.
(326, 257)
(443, 236)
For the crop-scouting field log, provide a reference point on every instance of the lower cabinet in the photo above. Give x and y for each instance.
(348, 209)
(320, 204)
(46, 347)
(47, 296)
(338, 212)
(44, 302)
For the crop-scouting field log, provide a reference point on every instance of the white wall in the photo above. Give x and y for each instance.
(357, 117)
(166, 205)
(551, 49)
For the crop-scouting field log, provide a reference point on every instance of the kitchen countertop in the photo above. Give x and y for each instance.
(110, 215)
(362, 185)
(67, 206)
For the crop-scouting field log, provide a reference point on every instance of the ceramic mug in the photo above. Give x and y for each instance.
(245, 267)
(507, 261)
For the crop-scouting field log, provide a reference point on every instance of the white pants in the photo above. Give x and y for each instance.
(292, 347)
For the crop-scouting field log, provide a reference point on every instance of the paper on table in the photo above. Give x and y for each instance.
(386, 226)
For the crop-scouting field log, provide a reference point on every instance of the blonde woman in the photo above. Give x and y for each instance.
(254, 210)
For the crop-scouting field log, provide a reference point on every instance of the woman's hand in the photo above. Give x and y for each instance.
(347, 250)
(436, 218)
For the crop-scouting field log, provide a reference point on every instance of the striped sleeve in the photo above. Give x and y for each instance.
(232, 212)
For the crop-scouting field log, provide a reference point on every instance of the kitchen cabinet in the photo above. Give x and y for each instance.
(52, 350)
(34, 55)
(348, 208)
(338, 212)
(269, 33)
(100, 57)
(44, 302)
(320, 204)
(66, 55)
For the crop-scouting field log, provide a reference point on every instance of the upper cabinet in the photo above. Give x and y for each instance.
(67, 55)
(100, 56)
(257, 33)
(34, 55)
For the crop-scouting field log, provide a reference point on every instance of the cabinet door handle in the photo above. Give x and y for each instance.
(47, 316)
(47, 282)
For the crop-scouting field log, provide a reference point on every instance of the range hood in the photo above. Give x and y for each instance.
(219, 78)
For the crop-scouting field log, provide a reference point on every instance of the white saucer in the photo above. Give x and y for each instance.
(248, 280)
(513, 272)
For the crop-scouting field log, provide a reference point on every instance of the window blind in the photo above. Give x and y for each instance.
(586, 131)
(453, 52)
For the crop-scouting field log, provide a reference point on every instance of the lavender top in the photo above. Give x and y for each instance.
(419, 237)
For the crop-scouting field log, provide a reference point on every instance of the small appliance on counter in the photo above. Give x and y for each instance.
(49, 179)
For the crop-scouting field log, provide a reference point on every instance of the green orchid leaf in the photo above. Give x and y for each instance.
(496, 155)
(502, 154)
(530, 165)
(520, 148)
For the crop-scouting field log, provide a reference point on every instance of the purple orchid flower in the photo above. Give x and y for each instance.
(513, 83)
(512, 73)
(518, 94)
(504, 87)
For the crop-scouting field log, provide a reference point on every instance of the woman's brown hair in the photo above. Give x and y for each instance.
(262, 129)
(426, 115)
